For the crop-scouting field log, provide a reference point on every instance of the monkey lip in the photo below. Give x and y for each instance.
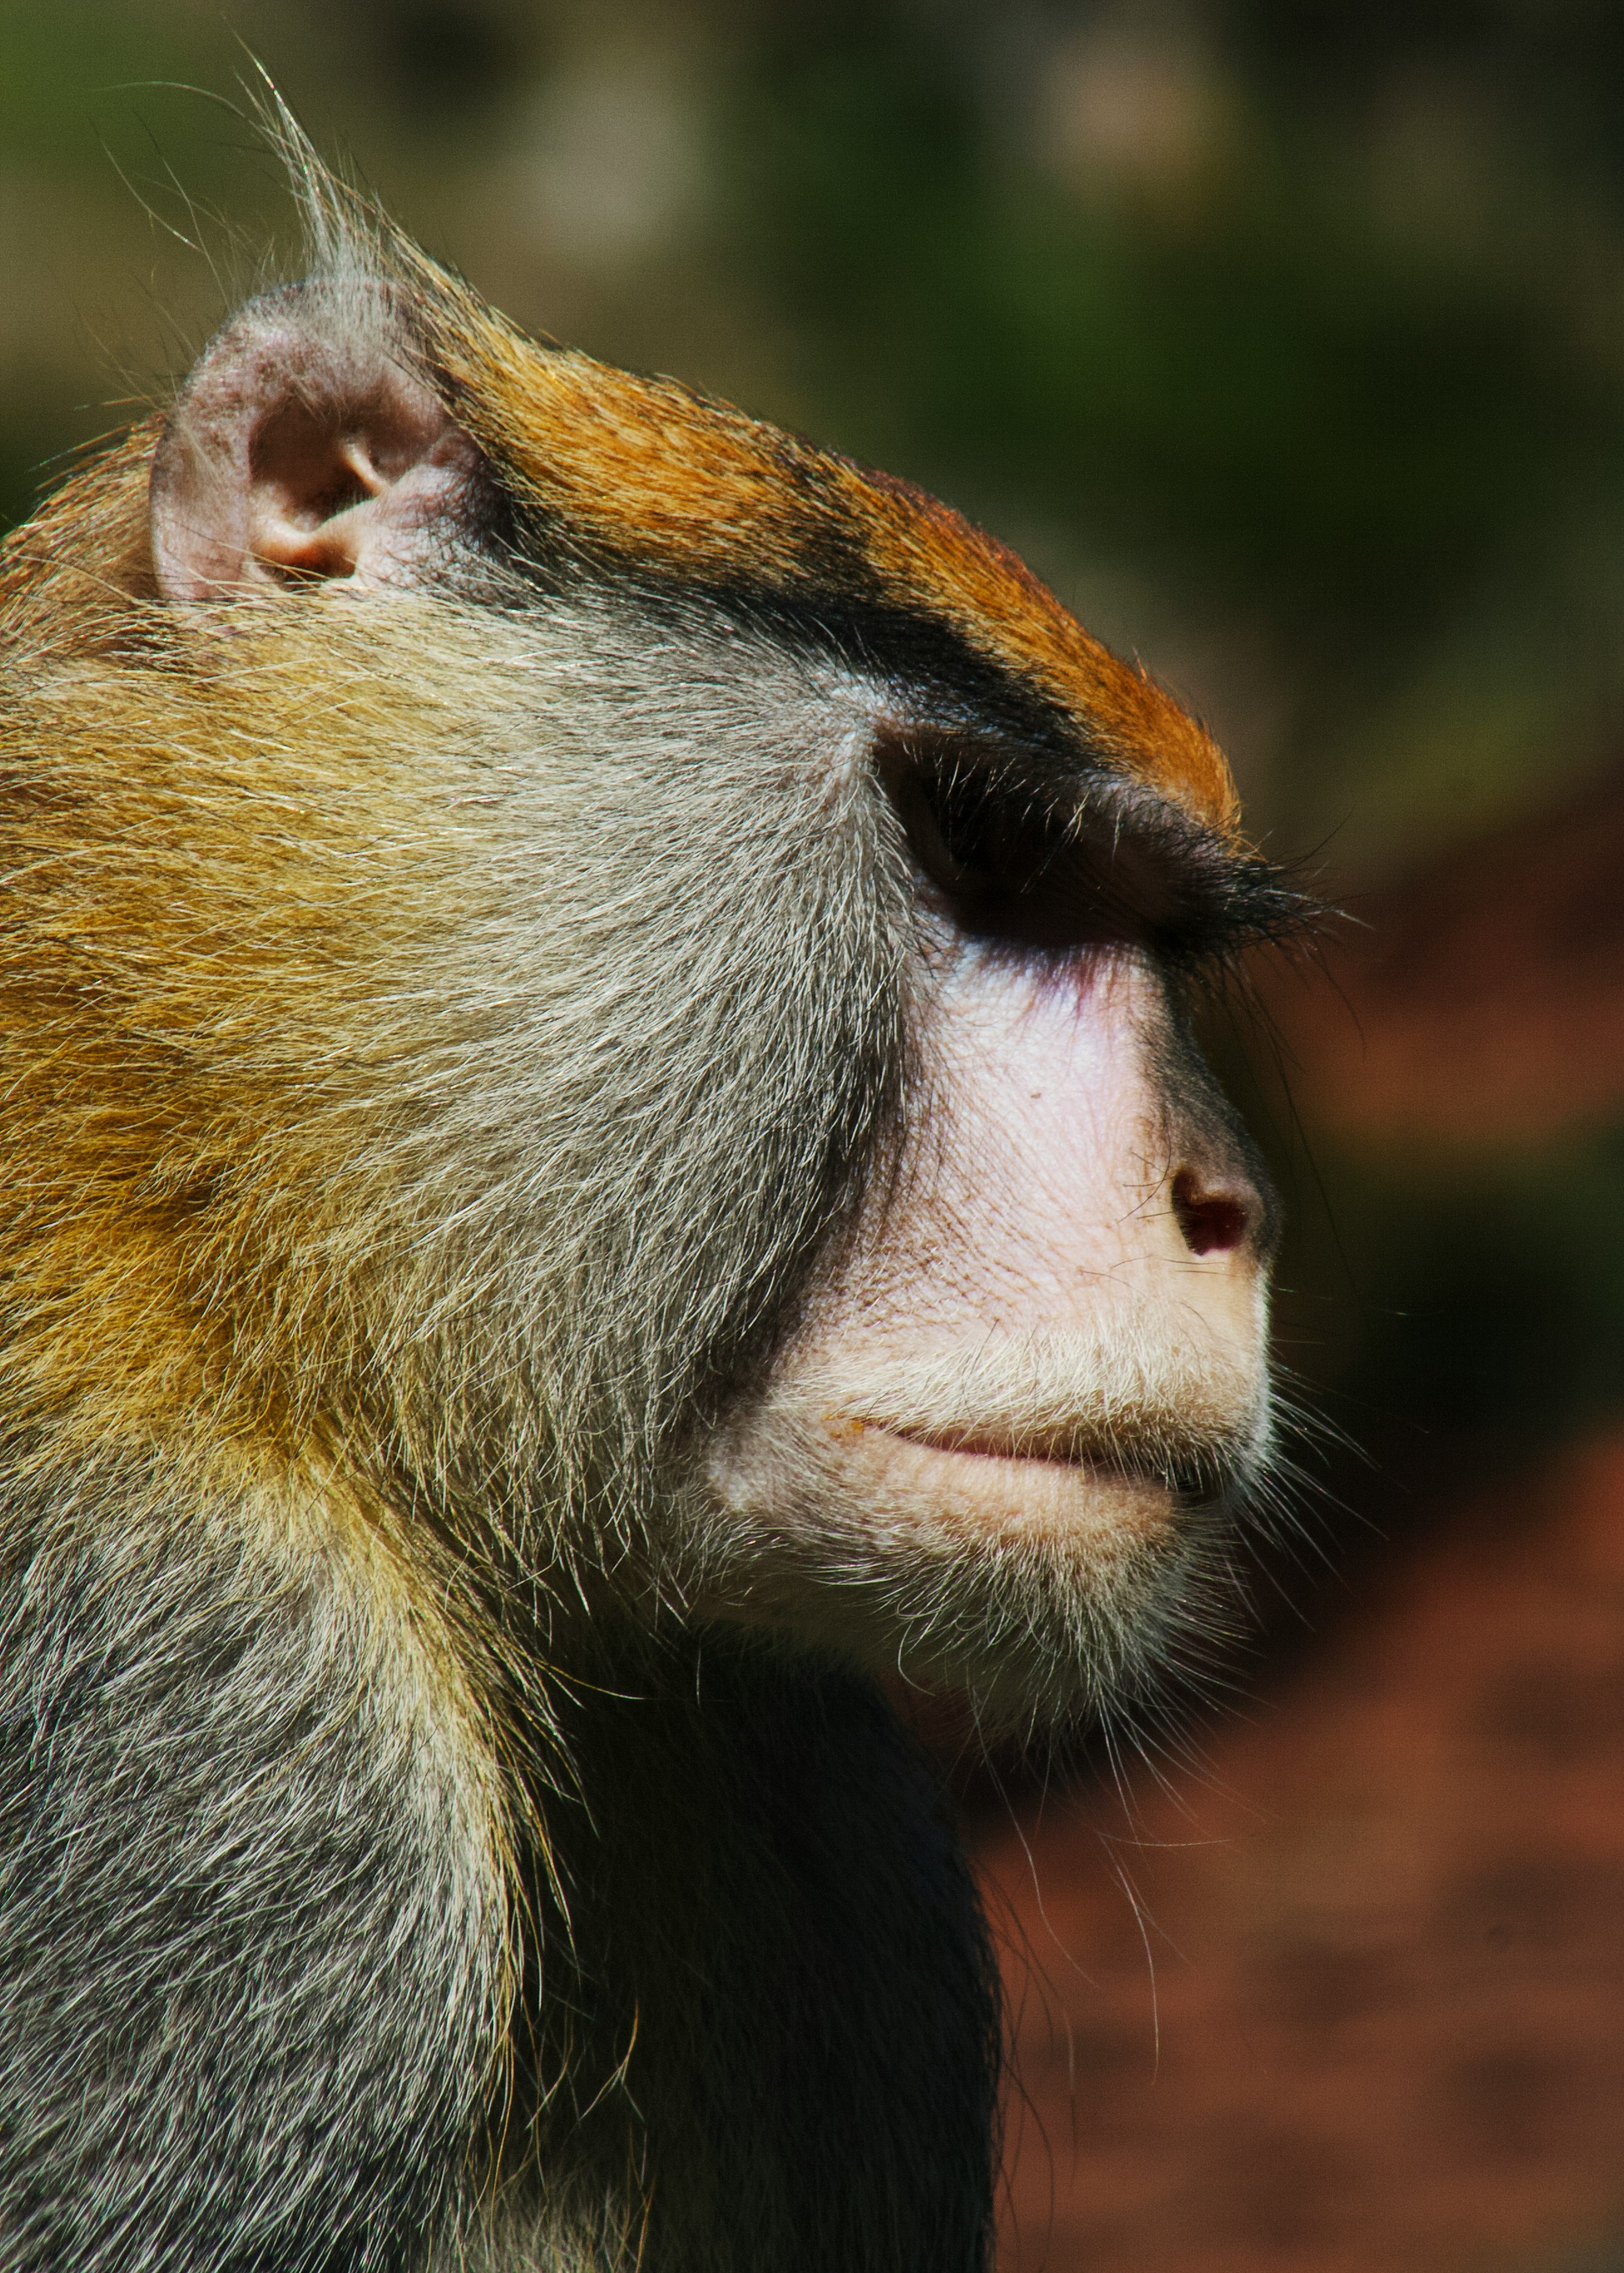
(1053, 1449)
(1072, 1450)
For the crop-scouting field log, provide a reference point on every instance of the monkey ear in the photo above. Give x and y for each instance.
(302, 448)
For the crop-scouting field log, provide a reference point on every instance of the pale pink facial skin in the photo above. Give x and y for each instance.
(1049, 1205)
(1058, 1319)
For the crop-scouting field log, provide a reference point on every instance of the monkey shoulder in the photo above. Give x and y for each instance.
(250, 1948)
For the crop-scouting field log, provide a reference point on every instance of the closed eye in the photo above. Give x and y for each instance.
(1056, 866)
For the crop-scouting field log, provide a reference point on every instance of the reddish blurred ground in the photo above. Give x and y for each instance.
(1479, 1002)
(1388, 1922)
(1388, 1938)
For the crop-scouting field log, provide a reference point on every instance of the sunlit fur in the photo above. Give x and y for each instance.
(442, 1037)
(1077, 1602)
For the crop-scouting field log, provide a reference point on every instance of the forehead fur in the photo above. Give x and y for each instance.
(641, 474)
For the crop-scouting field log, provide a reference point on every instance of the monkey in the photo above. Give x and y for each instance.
(605, 1171)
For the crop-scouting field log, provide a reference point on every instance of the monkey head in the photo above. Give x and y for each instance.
(638, 972)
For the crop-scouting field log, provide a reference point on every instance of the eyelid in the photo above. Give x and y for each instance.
(1012, 849)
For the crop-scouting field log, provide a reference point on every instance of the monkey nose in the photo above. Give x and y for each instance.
(1215, 1215)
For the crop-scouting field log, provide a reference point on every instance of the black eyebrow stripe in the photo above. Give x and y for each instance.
(946, 694)
(924, 661)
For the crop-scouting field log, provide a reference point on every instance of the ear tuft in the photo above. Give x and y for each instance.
(302, 448)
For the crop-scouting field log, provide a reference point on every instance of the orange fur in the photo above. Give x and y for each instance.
(663, 478)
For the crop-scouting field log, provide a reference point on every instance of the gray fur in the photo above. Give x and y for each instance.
(252, 1982)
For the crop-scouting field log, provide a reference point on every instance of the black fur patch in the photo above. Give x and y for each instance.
(775, 2002)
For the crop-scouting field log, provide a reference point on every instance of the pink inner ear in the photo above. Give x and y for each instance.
(294, 456)
(313, 471)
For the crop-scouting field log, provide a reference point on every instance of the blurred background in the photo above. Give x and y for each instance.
(1287, 340)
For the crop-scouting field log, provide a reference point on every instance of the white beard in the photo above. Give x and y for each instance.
(1034, 1521)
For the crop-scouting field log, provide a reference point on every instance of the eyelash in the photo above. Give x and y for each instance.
(1005, 863)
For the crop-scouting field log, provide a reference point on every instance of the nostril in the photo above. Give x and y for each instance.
(1211, 1222)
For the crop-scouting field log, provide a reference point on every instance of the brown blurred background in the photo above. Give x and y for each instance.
(1286, 337)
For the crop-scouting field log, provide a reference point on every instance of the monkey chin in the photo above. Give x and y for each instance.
(1044, 1578)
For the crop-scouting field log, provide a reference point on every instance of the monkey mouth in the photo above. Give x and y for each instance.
(1061, 1415)
(1057, 1447)
(1189, 1474)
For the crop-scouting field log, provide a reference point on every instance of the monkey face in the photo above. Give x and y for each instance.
(750, 1146)
(1028, 1392)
